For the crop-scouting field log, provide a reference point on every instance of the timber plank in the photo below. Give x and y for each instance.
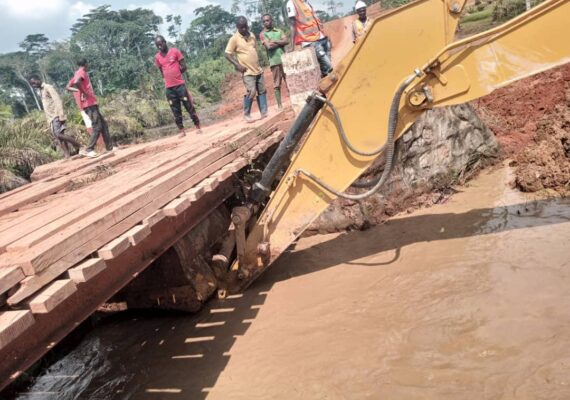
(194, 194)
(50, 212)
(223, 174)
(13, 324)
(142, 174)
(137, 234)
(87, 270)
(210, 184)
(33, 283)
(52, 296)
(52, 184)
(114, 248)
(9, 277)
(176, 207)
(154, 218)
(73, 213)
(43, 255)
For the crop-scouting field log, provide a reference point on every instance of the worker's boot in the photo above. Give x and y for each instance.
(278, 99)
(262, 104)
(247, 102)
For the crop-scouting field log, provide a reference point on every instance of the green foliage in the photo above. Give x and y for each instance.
(478, 15)
(5, 113)
(211, 25)
(36, 45)
(118, 45)
(393, 3)
(208, 75)
(507, 9)
(25, 144)
(130, 112)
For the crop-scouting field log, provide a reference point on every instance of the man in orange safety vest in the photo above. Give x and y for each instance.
(307, 30)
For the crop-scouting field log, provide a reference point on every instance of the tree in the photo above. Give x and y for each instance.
(211, 23)
(118, 44)
(16, 67)
(332, 6)
(175, 27)
(323, 15)
(36, 45)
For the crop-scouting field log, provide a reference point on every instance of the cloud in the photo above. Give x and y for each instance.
(183, 8)
(79, 9)
(32, 9)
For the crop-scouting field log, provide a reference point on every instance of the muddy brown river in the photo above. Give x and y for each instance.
(465, 300)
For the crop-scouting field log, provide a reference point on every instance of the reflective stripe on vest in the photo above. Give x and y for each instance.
(307, 25)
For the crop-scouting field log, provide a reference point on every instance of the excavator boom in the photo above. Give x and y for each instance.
(409, 49)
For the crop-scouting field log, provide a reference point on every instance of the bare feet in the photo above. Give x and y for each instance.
(182, 133)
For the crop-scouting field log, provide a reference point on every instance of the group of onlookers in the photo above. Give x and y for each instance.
(241, 51)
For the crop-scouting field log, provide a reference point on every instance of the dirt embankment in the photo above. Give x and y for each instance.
(233, 91)
(531, 120)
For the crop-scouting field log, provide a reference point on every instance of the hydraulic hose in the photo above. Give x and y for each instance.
(262, 188)
(343, 133)
(389, 147)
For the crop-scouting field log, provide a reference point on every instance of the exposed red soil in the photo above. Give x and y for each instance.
(513, 112)
(531, 120)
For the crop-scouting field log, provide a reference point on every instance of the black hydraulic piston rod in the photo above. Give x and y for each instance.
(262, 189)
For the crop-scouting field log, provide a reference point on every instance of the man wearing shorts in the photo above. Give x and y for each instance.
(53, 109)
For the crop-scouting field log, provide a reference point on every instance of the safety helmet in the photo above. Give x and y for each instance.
(359, 4)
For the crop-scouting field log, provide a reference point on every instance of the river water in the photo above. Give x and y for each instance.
(465, 300)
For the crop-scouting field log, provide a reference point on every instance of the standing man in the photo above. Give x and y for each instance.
(361, 24)
(274, 41)
(82, 84)
(172, 65)
(53, 108)
(307, 30)
(84, 116)
(241, 51)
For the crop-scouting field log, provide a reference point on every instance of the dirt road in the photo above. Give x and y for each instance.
(466, 300)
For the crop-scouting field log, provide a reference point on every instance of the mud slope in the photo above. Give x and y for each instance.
(530, 119)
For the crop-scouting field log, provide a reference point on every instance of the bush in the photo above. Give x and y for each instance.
(478, 16)
(24, 144)
(130, 112)
(507, 9)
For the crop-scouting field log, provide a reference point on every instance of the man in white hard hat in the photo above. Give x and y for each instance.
(361, 24)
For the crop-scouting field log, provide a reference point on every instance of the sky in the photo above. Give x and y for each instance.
(54, 18)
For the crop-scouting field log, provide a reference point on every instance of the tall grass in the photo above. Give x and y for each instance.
(24, 144)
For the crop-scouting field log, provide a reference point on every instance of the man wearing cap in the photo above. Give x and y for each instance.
(307, 30)
(361, 24)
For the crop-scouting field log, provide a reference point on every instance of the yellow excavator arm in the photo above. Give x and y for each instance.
(404, 65)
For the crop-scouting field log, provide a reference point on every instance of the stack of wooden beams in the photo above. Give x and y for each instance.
(60, 231)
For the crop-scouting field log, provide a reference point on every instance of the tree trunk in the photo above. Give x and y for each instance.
(443, 148)
(23, 78)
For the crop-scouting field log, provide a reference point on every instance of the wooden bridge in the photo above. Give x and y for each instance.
(84, 228)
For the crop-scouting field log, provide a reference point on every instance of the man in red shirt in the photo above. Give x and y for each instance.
(171, 64)
(88, 102)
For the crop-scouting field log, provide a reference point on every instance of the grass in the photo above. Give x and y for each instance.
(486, 13)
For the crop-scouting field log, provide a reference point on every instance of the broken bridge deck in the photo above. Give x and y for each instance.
(85, 227)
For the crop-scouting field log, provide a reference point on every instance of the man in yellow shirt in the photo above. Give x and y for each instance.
(360, 25)
(241, 51)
